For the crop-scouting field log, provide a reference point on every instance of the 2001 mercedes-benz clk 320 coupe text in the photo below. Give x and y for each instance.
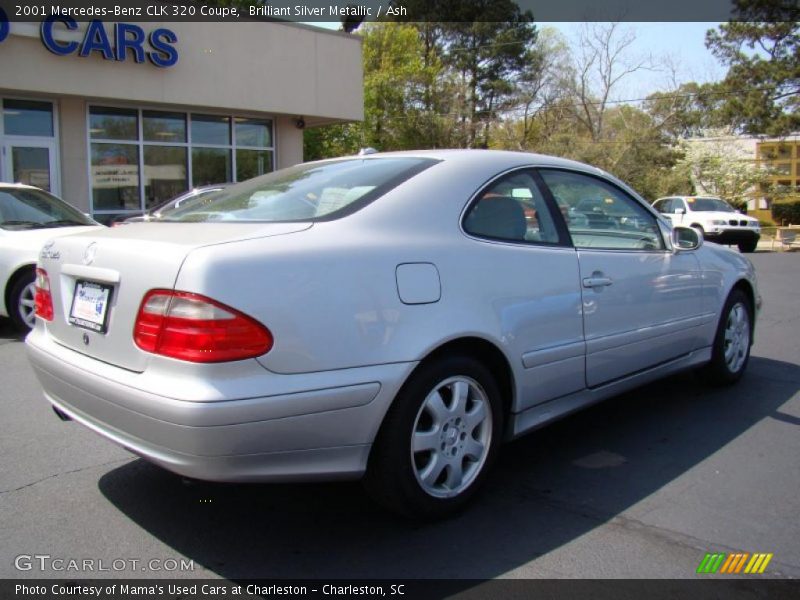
(394, 316)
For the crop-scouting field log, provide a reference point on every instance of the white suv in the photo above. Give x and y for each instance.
(717, 219)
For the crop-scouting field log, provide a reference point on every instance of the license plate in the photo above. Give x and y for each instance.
(90, 305)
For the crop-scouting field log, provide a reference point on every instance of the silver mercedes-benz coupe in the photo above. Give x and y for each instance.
(392, 317)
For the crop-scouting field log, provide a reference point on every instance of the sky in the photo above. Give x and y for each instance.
(682, 43)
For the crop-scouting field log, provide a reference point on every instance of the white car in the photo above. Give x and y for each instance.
(716, 219)
(394, 317)
(29, 217)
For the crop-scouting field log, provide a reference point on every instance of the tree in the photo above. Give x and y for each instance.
(687, 110)
(720, 166)
(541, 84)
(488, 57)
(407, 91)
(332, 140)
(602, 61)
(761, 49)
(483, 46)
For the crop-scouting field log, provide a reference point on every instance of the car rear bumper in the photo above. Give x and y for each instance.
(321, 433)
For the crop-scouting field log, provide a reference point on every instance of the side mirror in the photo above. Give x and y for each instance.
(686, 238)
(680, 211)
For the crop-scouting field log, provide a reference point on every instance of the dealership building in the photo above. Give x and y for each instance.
(118, 117)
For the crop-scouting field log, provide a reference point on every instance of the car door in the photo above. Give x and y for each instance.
(664, 206)
(678, 210)
(642, 303)
(527, 273)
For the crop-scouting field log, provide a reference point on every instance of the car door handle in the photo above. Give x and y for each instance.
(597, 281)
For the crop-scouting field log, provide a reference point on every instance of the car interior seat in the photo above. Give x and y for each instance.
(499, 217)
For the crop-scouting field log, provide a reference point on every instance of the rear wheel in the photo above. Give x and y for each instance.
(747, 247)
(731, 351)
(21, 304)
(438, 439)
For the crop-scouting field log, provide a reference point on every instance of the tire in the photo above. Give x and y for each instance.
(456, 440)
(21, 309)
(731, 351)
(699, 227)
(748, 247)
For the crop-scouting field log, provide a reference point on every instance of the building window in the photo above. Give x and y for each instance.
(252, 163)
(142, 158)
(114, 124)
(784, 152)
(27, 117)
(211, 165)
(211, 150)
(29, 143)
(115, 177)
(164, 173)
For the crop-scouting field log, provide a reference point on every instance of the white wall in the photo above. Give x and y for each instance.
(255, 67)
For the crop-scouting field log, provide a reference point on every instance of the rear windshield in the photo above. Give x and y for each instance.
(309, 192)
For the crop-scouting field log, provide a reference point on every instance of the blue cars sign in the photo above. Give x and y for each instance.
(4, 27)
(126, 40)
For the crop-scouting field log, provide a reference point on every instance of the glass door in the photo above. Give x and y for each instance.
(31, 162)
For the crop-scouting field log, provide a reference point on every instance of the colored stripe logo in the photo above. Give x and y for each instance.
(734, 563)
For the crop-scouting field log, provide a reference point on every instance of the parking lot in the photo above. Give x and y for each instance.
(642, 486)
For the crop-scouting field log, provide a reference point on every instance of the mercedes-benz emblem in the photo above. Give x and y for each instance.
(86, 339)
(89, 253)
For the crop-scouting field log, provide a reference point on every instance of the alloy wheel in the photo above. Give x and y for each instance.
(26, 305)
(451, 437)
(737, 337)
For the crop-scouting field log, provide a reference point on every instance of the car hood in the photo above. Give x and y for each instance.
(724, 216)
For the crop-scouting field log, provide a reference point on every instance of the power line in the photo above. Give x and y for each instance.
(579, 104)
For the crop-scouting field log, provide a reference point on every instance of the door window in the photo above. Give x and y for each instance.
(664, 206)
(31, 166)
(28, 143)
(601, 216)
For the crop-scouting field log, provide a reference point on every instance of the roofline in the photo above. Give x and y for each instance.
(315, 29)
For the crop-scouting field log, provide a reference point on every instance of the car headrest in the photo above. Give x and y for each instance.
(500, 217)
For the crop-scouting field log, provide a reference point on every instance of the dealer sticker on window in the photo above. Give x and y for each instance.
(90, 305)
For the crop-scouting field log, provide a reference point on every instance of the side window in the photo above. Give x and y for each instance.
(664, 206)
(600, 215)
(512, 208)
(678, 204)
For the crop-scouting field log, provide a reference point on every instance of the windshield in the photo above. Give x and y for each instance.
(308, 192)
(709, 205)
(26, 208)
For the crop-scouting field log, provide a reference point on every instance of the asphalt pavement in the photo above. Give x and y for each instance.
(641, 486)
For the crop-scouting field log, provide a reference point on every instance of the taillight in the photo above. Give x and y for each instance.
(42, 297)
(198, 329)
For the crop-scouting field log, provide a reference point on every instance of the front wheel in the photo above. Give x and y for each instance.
(731, 350)
(21, 305)
(438, 439)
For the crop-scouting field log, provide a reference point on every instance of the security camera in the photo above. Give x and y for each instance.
(300, 123)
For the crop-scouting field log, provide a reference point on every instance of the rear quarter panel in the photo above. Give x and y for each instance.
(329, 295)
